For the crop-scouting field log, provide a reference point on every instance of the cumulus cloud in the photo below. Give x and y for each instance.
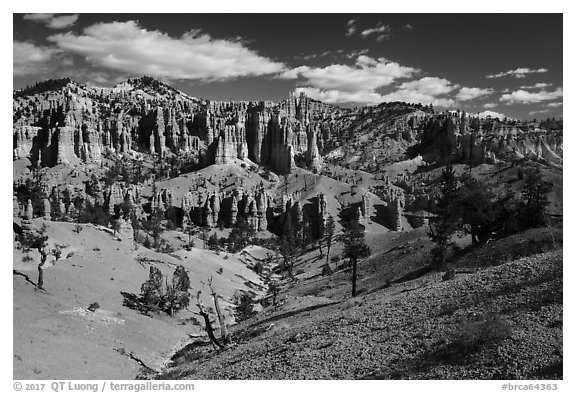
(554, 104)
(490, 105)
(129, 48)
(418, 97)
(427, 90)
(342, 97)
(53, 21)
(367, 75)
(491, 114)
(30, 59)
(540, 85)
(355, 53)
(470, 93)
(518, 73)
(431, 86)
(527, 97)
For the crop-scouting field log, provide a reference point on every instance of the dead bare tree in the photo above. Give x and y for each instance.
(224, 336)
(204, 314)
(43, 257)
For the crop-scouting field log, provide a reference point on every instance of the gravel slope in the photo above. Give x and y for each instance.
(504, 322)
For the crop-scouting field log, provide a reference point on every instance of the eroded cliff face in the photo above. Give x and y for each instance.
(79, 124)
(466, 139)
(75, 123)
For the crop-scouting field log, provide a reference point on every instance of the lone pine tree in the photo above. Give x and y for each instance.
(445, 224)
(329, 235)
(355, 248)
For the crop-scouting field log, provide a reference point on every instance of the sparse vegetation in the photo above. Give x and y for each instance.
(158, 294)
(355, 248)
(244, 306)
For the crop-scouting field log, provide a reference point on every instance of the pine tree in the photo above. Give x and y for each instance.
(445, 224)
(152, 290)
(178, 297)
(329, 235)
(244, 306)
(532, 207)
(478, 208)
(355, 248)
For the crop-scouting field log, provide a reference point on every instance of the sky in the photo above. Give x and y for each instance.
(497, 64)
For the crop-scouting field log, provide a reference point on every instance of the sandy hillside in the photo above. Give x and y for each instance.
(55, 337)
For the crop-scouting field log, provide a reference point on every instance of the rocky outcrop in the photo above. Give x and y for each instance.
(47, 209)
(314, 157)
(23, 140)
(15, 207)
(396, 214)
(366, 206)
(65, 150)
(76, 123)
(29, 211)
(231, 144)
(234, 211)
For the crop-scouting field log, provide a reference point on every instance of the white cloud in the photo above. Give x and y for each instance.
(372, 98)
(126, 47)
(418, 97)
(490, 105)
(470, 93)
(540, 85)
(351, 26)
(408, 26)
(367, 75)
(30, 59)
(44, 18)
(53, 21)
(339, 53)
(538, 112)
(526, 97)
(431, 86)
(491, 114)
(554, 104)
(518, 73)
(375, 30)
(342, 97)
(356, 53)
(424, 91)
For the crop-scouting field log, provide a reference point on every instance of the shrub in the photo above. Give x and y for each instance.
(326, 270)
(471, 334)
(449, 275)
(213, 242)
(244, 306)
(258, 267)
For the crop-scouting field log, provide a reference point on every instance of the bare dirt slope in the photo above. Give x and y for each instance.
(56, 337)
